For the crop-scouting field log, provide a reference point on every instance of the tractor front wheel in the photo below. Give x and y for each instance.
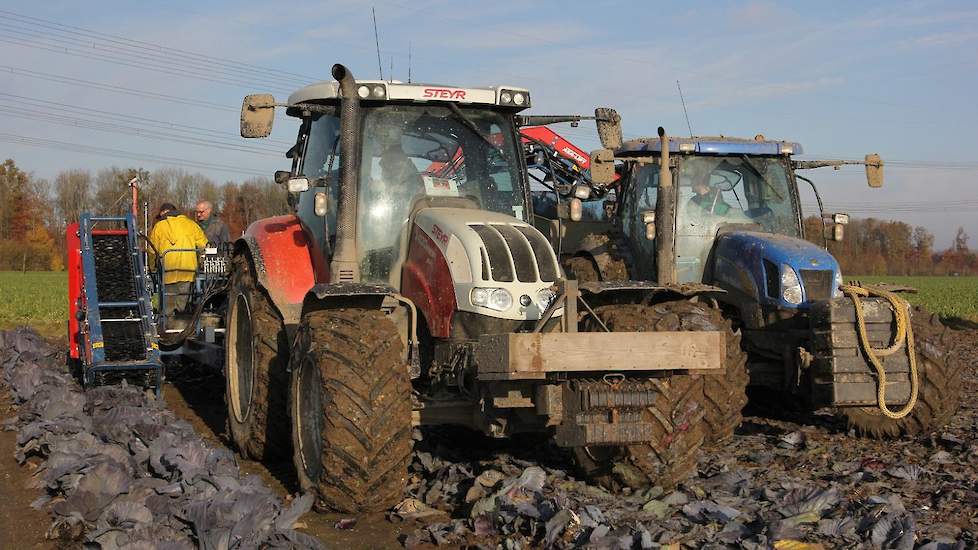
(677, 417)
(350, 406)
(939, 376)
(725, 393)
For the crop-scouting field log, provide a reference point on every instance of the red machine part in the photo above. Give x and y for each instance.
(427, 281)
(563, 147)
(76, 298)
(291, 265)
(73, 248)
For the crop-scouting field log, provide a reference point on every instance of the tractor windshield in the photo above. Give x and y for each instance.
(411, 152)
(728, 190)
(716, 191)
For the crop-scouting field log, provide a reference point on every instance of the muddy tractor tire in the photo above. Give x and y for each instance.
(725, 395)
(256, 359)
(350, 407)
(939, 375)
(677, 416)
(600, 257)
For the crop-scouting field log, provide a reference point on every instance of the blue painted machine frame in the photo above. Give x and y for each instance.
(93, 358)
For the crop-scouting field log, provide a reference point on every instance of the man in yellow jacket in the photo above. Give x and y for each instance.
(174, 231)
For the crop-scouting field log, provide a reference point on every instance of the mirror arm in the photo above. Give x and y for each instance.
(808, 164)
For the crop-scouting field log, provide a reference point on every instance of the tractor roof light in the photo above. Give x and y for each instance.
(841, 219)
(687, 147)
(514, 98)
(787, 149)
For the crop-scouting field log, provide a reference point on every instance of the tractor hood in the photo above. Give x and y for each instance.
(500, 266)
(758, 264)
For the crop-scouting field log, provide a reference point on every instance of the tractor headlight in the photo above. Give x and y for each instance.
(498, 299)
(790, 285)
(837, 284)
(545, 297)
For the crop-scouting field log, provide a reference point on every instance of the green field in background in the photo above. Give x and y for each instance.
(949, 297)
(35, 298)
(40, 299)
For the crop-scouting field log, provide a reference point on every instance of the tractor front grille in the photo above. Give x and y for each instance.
(516, 253)
(818, 284)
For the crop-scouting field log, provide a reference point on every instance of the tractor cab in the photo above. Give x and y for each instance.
(419, 145)
(737, 214)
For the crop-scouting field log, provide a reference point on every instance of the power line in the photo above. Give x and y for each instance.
(61, 79)
(161, 68)
(158, 159)
(155, 48)
(73, 110)
(132, 131)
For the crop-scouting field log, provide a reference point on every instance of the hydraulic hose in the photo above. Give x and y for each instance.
(904, 335)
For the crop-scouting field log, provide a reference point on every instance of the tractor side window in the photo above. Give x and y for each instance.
(321, 164)
(642, 196)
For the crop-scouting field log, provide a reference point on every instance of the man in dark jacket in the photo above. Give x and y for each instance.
(214, 228)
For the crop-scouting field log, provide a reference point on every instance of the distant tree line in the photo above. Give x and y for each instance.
(886, 247)
(34, 213)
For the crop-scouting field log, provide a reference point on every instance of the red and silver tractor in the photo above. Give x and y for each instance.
(410, 288)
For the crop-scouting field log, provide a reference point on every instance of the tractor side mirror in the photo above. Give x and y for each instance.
(874, 170)
(603, 166)
(648, 218)
(257, 115)
(608, 122)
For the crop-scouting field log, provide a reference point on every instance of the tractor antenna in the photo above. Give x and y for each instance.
(380, 66)
(409, 62)
(391, 74)
(688, 125)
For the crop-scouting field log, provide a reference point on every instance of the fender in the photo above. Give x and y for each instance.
(285, 261)
(427, 281)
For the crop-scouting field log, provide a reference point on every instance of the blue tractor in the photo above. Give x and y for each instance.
(726, 212)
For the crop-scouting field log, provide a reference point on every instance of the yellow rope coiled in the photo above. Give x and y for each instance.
(904, 334)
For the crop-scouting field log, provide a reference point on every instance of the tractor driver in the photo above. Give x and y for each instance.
(707, 198)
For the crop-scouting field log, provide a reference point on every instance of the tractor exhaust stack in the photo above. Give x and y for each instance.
(345, 267)
(665, 213)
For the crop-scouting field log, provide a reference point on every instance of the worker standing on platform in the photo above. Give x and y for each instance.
(174, 231)
(214, 228)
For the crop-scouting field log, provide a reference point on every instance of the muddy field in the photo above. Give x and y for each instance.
(787, 481)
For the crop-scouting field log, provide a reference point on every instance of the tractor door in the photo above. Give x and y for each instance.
(320, 163)
(643, 189)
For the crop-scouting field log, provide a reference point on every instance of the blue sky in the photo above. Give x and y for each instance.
(844, 79)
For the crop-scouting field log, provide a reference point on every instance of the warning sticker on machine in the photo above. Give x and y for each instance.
(440, 187)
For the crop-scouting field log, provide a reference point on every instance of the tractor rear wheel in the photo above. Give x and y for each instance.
(350, 406)
(939, 395)
(256, 354)
(677, 417)
(725, 393)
